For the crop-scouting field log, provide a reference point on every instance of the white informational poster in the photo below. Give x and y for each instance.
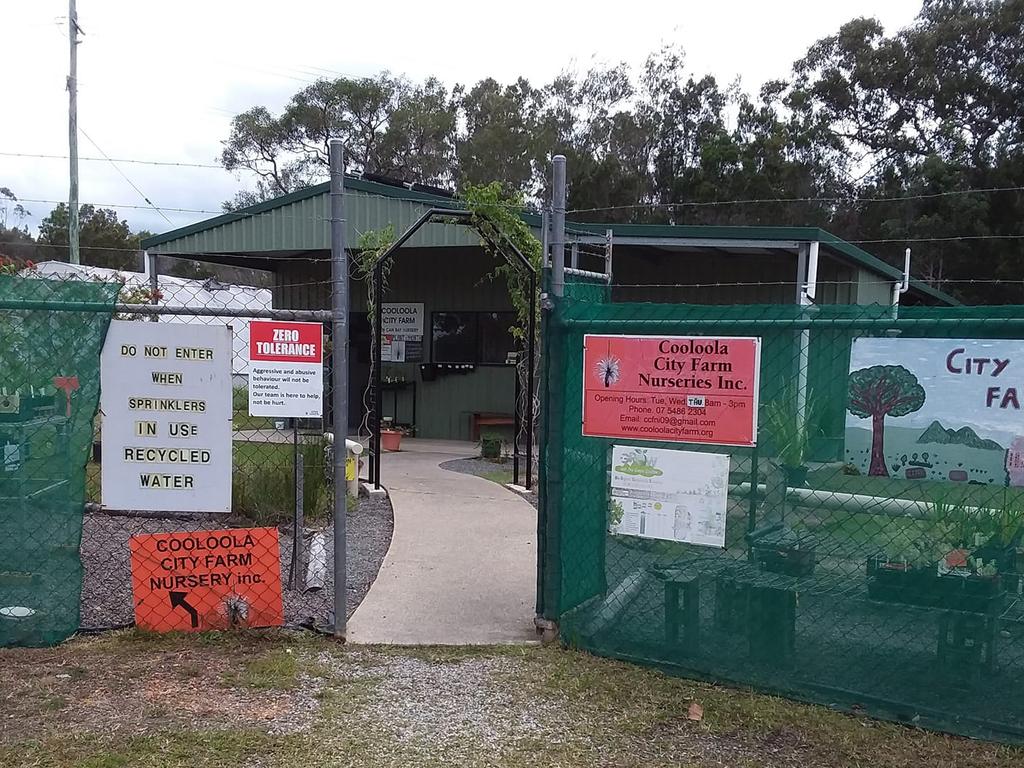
(403, 321)
(286, 369)
(166, 405)
(392, 350)
(658, 493)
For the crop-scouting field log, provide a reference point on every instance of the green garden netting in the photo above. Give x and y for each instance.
(871, 550)
(51, 334)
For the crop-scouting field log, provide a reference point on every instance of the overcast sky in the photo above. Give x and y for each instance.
(161, 80)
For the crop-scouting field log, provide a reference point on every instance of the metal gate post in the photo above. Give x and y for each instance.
(516, 424)
(339, 380)
(530, 382)
(378, 314)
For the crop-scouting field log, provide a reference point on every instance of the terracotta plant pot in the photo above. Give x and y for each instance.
(390, 439)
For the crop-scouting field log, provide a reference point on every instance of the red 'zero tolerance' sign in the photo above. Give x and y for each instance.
(286, 369)
(671, 388)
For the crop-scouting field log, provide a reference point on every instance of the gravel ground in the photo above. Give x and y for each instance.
(448, 705)
(489, 469)
(298, 700)
(107, 587)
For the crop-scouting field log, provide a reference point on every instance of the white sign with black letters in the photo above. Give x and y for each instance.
(402, 321)
(166, 405)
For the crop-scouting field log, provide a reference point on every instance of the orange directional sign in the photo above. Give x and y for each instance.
(198, 580)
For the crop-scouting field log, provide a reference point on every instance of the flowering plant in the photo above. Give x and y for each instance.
(12, 266)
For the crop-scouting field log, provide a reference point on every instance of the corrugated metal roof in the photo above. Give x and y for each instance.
(300, 222)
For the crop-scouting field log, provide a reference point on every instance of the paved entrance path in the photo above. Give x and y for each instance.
(462, 564)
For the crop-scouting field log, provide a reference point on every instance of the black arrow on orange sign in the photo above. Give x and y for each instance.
(178, 601)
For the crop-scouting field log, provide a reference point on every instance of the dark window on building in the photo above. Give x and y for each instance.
(454, 337)
(496, 337)
(472, 337)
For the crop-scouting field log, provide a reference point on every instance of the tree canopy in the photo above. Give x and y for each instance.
(105, 239)
(922, 113)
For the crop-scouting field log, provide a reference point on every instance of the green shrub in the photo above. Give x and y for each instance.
(490, 446)
(788, 437)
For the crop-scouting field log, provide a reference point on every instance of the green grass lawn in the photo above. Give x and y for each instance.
(499, 475)
(287, 700)
(242, 420)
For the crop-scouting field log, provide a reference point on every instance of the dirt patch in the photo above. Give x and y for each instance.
(91, 688)
(444, 703)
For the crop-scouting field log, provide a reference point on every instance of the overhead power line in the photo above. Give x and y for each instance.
(125, 177)
(766, 200)
(40, 156)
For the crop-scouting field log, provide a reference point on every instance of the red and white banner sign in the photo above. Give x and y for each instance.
(286, 369)
(671, 388)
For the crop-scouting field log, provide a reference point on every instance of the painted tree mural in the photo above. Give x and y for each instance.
(880, 391)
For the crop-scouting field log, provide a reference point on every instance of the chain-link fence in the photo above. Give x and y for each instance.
(862, 551)
(170, 567)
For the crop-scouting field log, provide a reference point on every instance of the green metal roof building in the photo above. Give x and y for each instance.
(466, 315)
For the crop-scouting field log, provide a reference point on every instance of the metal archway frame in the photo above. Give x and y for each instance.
(467, 218)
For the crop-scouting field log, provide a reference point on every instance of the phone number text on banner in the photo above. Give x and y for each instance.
(672, 388)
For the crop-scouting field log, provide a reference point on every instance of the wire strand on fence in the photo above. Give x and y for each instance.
(243, 214)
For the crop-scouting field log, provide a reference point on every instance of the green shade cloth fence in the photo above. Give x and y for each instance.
(828, 589)
(51, 334)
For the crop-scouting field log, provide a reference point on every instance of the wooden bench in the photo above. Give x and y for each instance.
(478, 420)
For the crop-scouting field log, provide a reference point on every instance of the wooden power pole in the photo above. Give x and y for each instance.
(73, 224)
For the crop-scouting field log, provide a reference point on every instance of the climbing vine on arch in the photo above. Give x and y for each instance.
(372, 245)
(496, 216)
(499, 215)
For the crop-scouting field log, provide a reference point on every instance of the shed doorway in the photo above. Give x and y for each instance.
(459, 334)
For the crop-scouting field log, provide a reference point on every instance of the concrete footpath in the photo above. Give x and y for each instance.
(462, 564)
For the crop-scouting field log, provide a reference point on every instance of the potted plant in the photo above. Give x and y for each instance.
(1004, 530)
(789, 435)
(490, 446)
(390, 437)
(956, 565)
